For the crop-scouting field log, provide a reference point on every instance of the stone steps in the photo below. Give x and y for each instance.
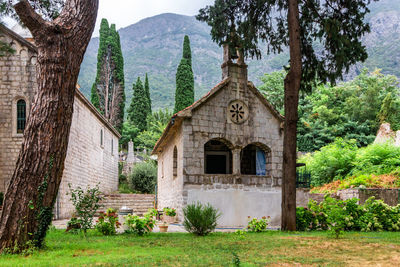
(140, 203)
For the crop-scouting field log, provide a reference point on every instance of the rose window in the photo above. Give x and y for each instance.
(237, 111)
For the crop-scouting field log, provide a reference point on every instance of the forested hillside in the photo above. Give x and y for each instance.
(154, 46)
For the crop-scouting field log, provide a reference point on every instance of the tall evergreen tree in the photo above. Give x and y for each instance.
(137, 113)
(184, 94)
(108, 91)
(147, 90)
(187, 52)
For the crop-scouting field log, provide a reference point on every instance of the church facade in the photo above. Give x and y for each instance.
(92, 155)
(226, 150)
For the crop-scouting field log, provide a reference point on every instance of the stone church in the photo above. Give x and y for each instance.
(92, 155)
(226, 150)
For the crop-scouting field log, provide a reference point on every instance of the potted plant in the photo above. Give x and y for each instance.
(169, 215)
(163, 227)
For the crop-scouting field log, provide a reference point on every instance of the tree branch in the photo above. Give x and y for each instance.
(32, 20)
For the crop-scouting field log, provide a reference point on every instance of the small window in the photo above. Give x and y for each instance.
(175, 164)
(21, 115)
(112, 146)
(101, 138)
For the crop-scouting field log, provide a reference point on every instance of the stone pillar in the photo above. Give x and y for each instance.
(131, 153)
(236, 161)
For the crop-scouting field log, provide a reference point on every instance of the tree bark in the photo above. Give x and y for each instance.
(33, 188)
(292, 87)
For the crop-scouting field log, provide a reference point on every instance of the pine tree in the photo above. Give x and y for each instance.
(184, 94)
(137, 113)
(147, 90)
(108, 91)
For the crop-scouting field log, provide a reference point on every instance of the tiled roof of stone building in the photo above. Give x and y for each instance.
(177, 118)
(78, 93)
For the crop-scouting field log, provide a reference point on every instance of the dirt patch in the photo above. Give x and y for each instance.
(339, 252)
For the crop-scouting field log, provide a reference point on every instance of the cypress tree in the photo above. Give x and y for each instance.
(108, 91)
(187, 52)
(137, 113)
(147, 90)
(184, 94)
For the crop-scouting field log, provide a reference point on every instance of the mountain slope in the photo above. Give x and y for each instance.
(154, 45)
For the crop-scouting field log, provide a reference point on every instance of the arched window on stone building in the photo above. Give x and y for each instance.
(175, 163)
(217, 157)
(101, 138)
(255, 159)
(21, 115)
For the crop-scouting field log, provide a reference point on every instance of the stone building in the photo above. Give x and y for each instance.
(226, 150)
(92, 155)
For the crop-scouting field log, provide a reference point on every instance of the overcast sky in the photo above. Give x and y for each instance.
(126, 12)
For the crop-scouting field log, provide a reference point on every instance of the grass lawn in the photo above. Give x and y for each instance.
(182, 249)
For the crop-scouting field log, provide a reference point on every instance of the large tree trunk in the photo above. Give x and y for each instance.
(30, 197)
(292, 87)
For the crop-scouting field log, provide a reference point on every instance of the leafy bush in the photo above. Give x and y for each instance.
(200, 219)
(377, 159)
(256, 225)
(169, 211)
(332, 162)
(86, 204)
(140, 225)
(338, 216)
(108, 223)
(359, 166)
(143, 177)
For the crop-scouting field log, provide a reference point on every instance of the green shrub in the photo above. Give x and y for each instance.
(255, 225)
(377, 159)
(108, 223)
(332, 162)
(169, 211)
(140, 225)
(346, 215)
(143, 177)
(200, 219)
(86, 203)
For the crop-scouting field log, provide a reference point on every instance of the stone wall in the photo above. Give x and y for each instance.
(389, 196)
(88, 162)
(170, 188)
(17, 81)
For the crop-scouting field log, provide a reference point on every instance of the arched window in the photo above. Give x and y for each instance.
(101, 138)
(21, 115)
(255, 160)
(217, 158)
(175, 162)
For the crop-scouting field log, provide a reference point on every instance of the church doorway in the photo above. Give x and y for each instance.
(217, 158)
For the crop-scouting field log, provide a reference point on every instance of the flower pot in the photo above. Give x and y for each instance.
(163, 228)
(169, 219)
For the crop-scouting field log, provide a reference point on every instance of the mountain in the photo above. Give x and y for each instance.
(154, 45)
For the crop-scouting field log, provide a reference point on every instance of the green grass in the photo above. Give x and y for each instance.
(182, 249)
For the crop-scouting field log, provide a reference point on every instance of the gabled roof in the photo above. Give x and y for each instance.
(187, 112)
